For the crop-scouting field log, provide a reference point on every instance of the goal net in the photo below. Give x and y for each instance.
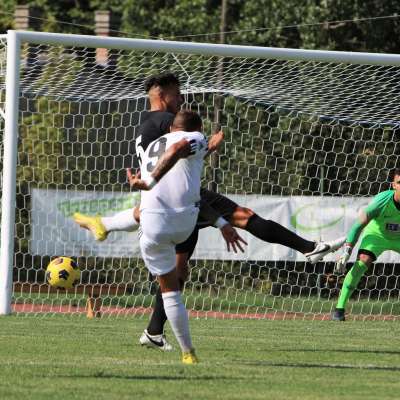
(309, 139)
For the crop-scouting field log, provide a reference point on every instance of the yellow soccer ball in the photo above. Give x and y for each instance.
(63, 273)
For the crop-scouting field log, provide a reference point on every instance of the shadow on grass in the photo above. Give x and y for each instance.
(151, 377)
(394, 352)
(310, 365)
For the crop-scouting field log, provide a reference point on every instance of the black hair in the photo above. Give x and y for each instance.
(188, 121)
(162, 80)
(393, 173)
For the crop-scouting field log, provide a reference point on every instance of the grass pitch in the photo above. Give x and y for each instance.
(63, 357)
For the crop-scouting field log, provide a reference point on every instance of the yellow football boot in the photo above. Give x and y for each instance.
(189, 357)
(93, 224)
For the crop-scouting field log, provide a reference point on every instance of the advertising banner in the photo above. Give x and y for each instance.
(55, 233)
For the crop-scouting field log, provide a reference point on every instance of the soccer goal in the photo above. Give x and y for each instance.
(310, 137)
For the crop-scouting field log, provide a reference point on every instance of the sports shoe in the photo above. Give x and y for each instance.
(154, 341)
(190, 357)
(323, 248)
(338, 315)
(93, 224)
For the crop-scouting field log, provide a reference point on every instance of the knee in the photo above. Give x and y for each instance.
(241, 217)
(169, 282)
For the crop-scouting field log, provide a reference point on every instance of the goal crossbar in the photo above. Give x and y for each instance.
(206, 48)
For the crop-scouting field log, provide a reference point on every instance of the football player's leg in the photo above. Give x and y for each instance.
(175, 309)
(370, 249)
(183, 253)
(153, 336)
(126, 220)
(272, 232)
(350, 284)
(160, 260)
(269, 231)
(158, 252)
(353, 277)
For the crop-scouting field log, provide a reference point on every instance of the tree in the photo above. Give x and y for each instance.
(373, 35)
(6, 15)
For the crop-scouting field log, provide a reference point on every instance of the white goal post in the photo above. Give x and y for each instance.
(299, 124)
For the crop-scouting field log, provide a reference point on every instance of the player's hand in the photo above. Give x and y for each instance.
(340, 266)
(135, 182)
(232, 238)
(130, 175)
(215, 141)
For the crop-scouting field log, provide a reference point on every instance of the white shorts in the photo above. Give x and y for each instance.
(160, 233)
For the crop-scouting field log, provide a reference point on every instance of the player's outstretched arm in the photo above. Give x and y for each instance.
(174, 153)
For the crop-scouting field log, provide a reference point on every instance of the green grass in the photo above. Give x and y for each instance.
(75, 358)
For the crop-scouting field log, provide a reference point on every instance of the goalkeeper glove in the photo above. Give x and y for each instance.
(340, 266)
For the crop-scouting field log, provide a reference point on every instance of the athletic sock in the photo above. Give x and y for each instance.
(122, 221)
(158, 317)
(270, 231)
(350, 283)
(178, 319)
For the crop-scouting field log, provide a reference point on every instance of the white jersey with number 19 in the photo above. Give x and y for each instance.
(179, 189)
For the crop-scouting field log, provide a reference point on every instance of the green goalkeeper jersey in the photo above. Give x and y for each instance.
(384, 216)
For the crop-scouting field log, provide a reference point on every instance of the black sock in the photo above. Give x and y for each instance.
(158, 318)
(271, 232)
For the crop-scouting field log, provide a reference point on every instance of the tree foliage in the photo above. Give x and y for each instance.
(265, 22)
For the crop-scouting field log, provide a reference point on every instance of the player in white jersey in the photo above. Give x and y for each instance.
(180, 188)
(169, 210)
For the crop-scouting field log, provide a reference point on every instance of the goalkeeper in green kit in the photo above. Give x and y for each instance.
(380, 223)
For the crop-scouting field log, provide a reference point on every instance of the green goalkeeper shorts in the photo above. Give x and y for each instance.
(378, 244)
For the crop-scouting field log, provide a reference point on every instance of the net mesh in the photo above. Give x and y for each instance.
(293, 129)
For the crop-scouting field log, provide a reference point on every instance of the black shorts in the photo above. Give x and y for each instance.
(189, 244)
(218, 202)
